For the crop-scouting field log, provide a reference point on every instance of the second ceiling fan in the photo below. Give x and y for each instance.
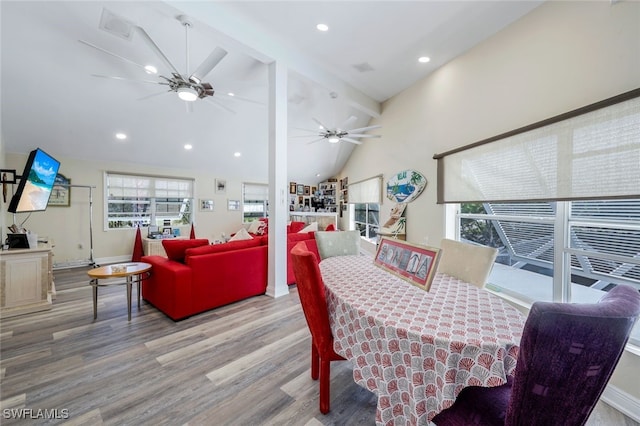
(340, 133)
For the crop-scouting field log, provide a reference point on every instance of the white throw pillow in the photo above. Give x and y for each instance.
(242, 234)
(312, 227)
(256, 226)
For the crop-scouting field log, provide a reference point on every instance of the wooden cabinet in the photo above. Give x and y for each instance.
(27, 281)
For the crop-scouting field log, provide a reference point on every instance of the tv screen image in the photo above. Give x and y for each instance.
(36, 183)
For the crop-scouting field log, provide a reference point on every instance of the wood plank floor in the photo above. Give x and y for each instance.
(242, 364)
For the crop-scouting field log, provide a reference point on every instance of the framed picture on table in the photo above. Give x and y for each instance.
(414, 263)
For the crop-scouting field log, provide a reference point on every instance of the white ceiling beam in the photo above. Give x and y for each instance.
(239, 34)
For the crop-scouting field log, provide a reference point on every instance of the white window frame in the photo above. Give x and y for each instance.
(153, 191)
(261, 204)
(562, 289)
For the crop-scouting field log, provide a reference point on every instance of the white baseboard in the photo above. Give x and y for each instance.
(622, 401)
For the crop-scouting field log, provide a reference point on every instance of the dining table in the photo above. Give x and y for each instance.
(416, 349)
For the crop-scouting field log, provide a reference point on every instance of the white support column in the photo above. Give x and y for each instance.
(278, 186)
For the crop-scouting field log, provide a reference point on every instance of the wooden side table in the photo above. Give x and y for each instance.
(133, 272)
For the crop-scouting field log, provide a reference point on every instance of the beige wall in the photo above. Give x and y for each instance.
(68, 227)
(562, 56)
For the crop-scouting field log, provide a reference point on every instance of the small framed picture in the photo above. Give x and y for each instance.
(300, 189)
(167, 231)
(61, 192)
(414, 263)
(206, 205)
(292, 188)
(233, 205)
(307, 190)
(221, 186)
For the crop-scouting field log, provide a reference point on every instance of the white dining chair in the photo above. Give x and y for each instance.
(467, 262)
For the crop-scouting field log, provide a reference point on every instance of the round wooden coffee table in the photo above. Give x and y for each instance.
(133, 272)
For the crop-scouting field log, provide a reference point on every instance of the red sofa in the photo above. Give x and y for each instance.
(196, 277)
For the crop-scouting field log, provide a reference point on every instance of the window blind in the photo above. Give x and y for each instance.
(590, 153)
(135, 186)
(366, 191)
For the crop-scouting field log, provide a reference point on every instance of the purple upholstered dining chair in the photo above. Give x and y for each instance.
(567, 355)
(314, 304)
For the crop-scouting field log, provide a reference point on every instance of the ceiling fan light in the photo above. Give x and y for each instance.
(334, 139)
(195, 79)
(187, 94)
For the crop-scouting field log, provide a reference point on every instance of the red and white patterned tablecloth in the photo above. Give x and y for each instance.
(415, 349)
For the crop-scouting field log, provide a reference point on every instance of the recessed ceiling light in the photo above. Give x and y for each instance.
(150, 69)
(317, 174)
(237, 154)
(231, 94)
(424, 59)
(188, 146)
(121, 136)
(322, 27)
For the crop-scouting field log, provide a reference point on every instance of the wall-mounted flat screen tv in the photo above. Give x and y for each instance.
(35, 184)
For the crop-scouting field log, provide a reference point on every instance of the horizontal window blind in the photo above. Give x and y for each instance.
(135, 186)
(590, 153)
(366, 191)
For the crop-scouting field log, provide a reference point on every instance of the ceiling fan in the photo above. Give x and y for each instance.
(341, 133)
(188, 87)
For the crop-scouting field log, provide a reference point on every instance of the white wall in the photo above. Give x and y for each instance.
(562, 56)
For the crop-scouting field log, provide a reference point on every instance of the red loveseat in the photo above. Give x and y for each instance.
(196, 277)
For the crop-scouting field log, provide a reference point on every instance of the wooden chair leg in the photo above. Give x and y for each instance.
(325, 385)
(315, 362)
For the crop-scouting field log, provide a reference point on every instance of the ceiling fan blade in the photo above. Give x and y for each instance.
(351, 141)
(157, 50)
(127, 79)
(153, 95)
(122, 58)
(317, 140)
(363, 135)
(320, 124)
(205, 68)
(348, 122)
(217, 103)
(364, 129)
(239, 98)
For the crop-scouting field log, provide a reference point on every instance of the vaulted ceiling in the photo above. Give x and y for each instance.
(52, 99)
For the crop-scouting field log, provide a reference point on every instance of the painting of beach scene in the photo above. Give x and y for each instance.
(405, 186)
(36, 182)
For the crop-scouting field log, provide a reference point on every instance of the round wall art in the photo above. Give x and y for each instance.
(405, 186)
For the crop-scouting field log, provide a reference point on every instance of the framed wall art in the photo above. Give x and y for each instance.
(61, 192)
(206, 205)
(233, 205)
(221, 186)
(414, 263)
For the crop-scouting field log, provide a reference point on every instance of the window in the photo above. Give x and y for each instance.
(136, 200)
(255, 201)
(598, 247)
(365, 197)
(366, 220)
